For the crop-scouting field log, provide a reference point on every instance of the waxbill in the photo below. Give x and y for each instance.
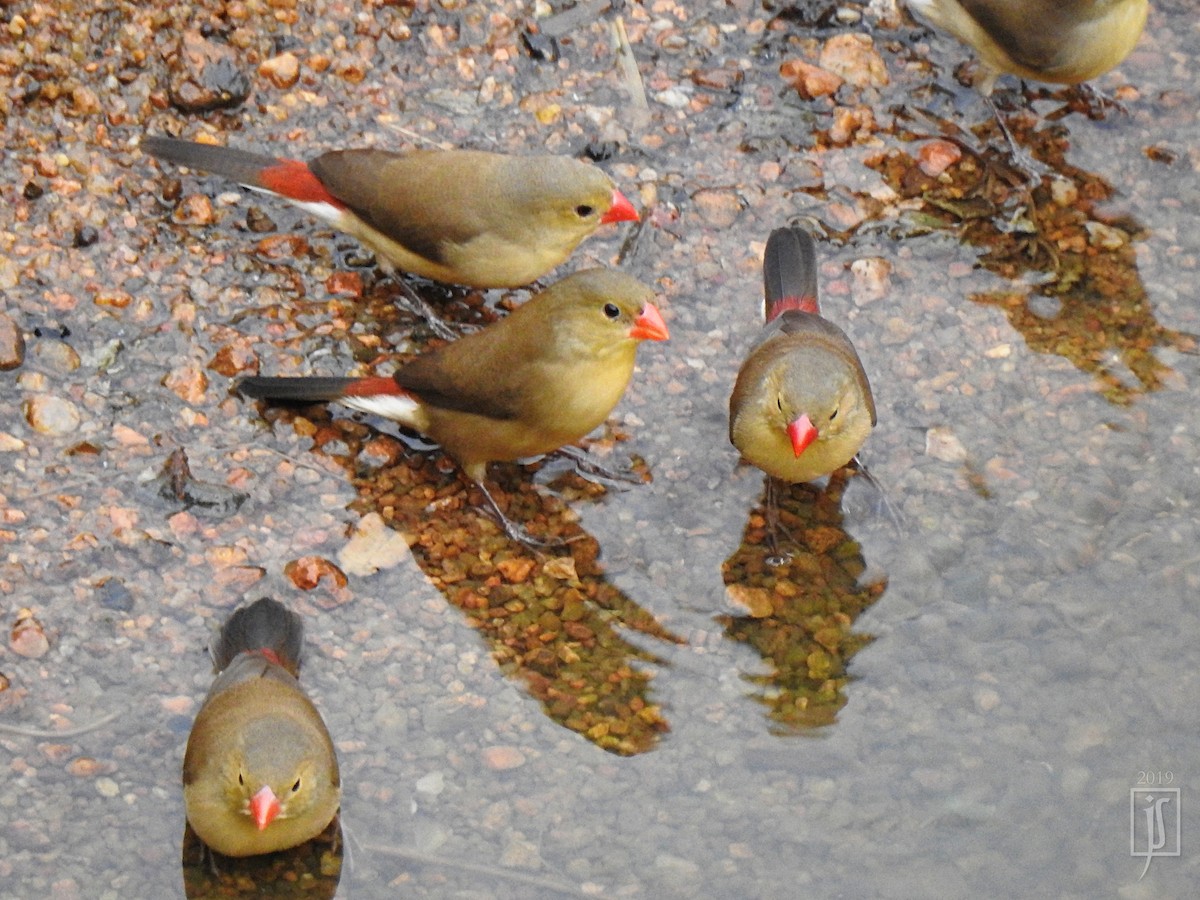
(801, 406)
(469, 217)
(1058, 41)
(260, 773)
(542, 377)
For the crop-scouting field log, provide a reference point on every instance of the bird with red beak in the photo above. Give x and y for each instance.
(540, 378)
(801, 406)
(260, 773)
(468, 217)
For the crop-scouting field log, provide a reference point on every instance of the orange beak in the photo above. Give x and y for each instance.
(649, 325)
(620, 211)
(802, 433)
(264, 807)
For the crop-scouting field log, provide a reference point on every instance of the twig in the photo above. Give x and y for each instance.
(20, 731)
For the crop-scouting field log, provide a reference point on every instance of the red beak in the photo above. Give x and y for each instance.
(264, 807)
(620, 211)
(802, 432)
(649, 325)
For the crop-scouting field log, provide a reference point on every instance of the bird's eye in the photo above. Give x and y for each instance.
(241, 780)
(296, 786)
(583, 210)
(779, 403)
(833, 415)
(611, 310)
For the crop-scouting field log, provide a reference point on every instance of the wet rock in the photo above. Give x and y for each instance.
(308, 571)
(113, 594)
(853, 58)
(47, 414)
(283, 70)
(12, 344)
(56, 356)
(720, 208)
(205, 75)
(194, 209)
(810, 81)
(374, 546)
(935, 157)
(500, 758)
(872, 279)
(27, 637)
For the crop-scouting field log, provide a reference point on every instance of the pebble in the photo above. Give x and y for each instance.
(205, 75)
(935, 157)
(57, 356)
(374, 545)
(51, 415)
(12, 343)
(809, 81)
(27, 637)
(501, 758)
(872, 279)
(283, 70)
(106, 787)
(853, 57)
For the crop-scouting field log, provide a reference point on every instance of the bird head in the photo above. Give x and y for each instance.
(817, 397)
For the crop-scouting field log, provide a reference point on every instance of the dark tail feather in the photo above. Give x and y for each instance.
(237, 165)
(306, 390)
(265, 625)
(790, 272)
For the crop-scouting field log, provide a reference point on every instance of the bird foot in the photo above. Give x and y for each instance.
(513, 530)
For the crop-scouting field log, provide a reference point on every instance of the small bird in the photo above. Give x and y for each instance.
(260, 773)
(801, 406)
(540, 378)
(1059, 41)
(468, 217)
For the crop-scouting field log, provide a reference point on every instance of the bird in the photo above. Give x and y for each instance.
(464, 217)
(801, 406)
(260, 772)
(1056, 41)
(540, 378)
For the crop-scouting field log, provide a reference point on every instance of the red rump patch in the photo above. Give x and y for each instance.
(373, 387)
(271, 656)
(293, 179)
(806, 304)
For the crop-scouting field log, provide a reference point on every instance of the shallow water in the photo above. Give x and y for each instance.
(1019, 651)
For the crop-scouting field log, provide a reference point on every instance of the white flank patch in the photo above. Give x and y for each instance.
(391, 406)
(326, 212)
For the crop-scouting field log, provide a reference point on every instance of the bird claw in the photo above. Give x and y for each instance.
(513, 530)
(586, 466)
(412, 302)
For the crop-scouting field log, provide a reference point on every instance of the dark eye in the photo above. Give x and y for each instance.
(611, 310)
(779, 403)
(241, 780)
(583, 210)
(296, 786)
(833, 415)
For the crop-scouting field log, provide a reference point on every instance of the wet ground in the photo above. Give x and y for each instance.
(952, 692)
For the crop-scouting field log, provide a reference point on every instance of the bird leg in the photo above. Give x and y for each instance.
(412, 302)
(1021, 159)
(885, 501)
(776, 558)
(512, 529)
